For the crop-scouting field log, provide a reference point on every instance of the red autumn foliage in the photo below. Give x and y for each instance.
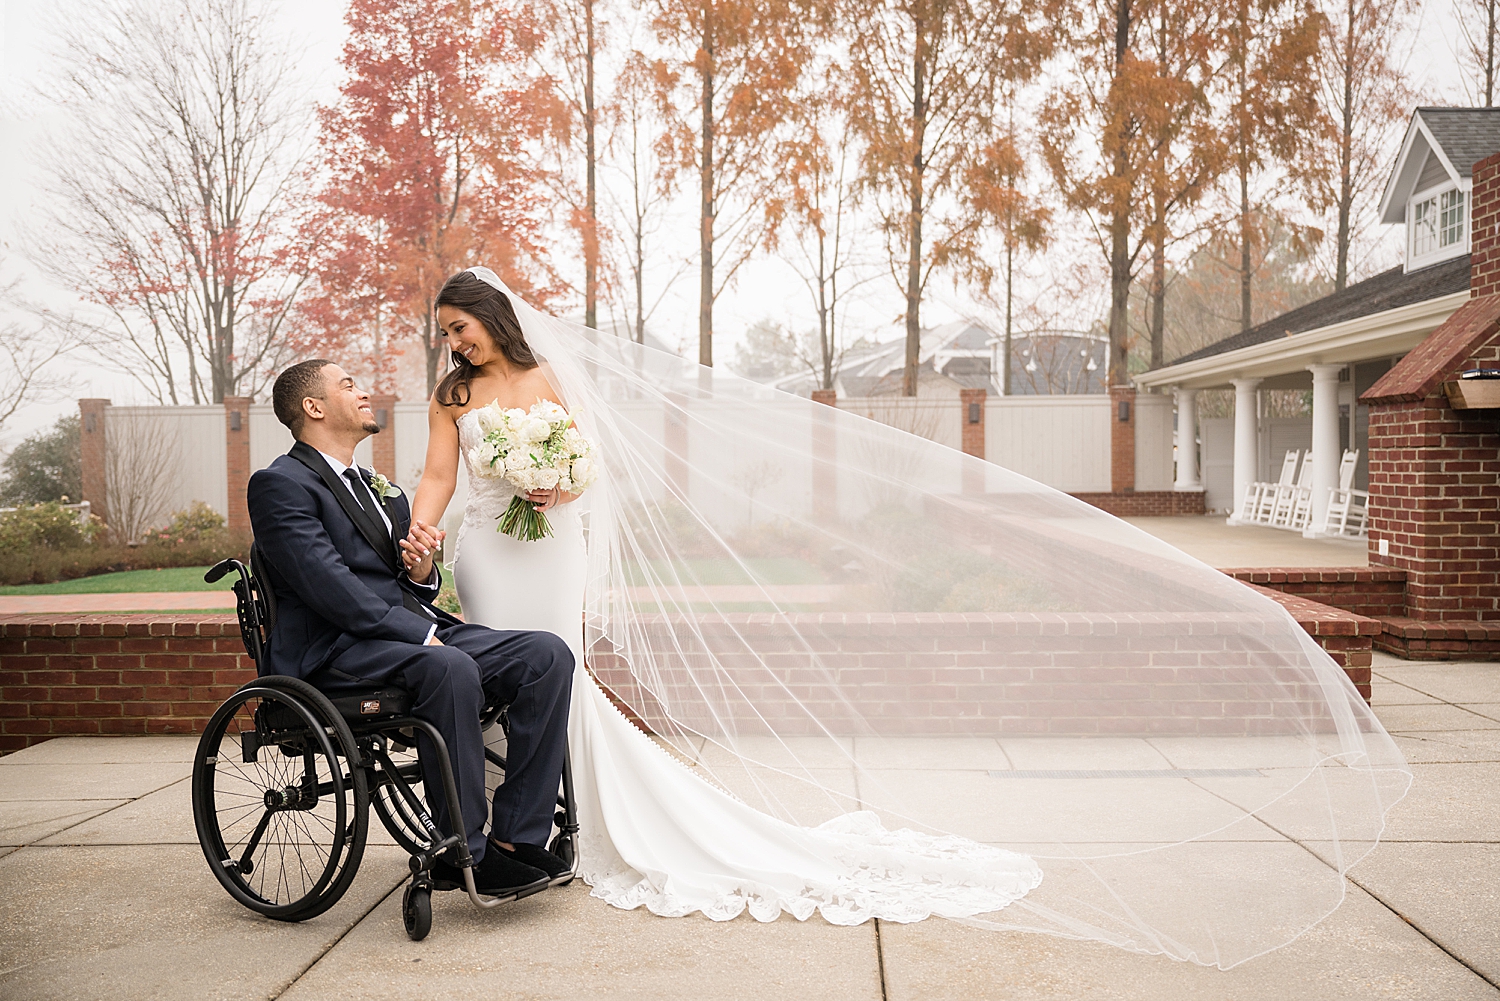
(428, 166)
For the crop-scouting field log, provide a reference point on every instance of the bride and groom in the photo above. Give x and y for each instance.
(778, 736)
(354, 571)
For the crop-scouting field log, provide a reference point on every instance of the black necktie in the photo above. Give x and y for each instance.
(363, 496)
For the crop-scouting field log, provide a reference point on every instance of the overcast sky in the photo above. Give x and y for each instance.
(768, 289)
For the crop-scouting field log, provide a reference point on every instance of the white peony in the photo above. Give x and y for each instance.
(582, 473)
(486, 454)
(533, 429)
(548, 411)
(515, 414)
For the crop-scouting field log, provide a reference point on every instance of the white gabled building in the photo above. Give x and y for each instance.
(1341, 344)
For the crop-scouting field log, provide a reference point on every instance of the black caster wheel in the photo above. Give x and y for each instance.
(416, 911)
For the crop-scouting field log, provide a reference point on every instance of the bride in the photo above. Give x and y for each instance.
(827, 665)
(652, 832)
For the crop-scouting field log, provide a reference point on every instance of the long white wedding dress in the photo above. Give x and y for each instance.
(877, 677)
(654, 834)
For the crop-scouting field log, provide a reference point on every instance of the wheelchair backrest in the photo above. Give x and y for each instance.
(262, 585)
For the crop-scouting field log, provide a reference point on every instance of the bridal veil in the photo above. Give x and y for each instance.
(825, 616)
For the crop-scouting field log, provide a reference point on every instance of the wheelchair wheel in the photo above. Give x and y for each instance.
(416, 911)
(396, 813)
(281, 817)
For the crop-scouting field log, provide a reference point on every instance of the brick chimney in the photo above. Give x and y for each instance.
(91, 419)
(1435, 471)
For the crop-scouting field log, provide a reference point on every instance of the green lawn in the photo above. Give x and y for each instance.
(129, 582)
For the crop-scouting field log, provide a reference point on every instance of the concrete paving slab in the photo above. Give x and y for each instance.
(1082, 753)
(151, 922)
(1363, 952)
(564, 944)
(1438, 716)
(1432, 746)
(930, 752)
(104, 751)
(1451, 682)
(91, 781)
(4, 851)
(1451, 892)
(1385, 692)
(1448, 802)
(22, 822)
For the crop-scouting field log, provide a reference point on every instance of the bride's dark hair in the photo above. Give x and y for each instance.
(492, 309)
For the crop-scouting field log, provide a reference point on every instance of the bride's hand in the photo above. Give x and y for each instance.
(418, 549)
(546, 500)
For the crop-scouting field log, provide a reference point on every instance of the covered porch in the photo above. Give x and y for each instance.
(1336, 347)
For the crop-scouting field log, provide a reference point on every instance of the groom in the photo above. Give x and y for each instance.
(332, 535)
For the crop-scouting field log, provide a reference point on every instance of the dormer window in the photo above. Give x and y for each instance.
(1436, 225)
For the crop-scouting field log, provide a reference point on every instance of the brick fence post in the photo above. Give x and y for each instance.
(237, 460)
(825, 483)
(383, 445)
(91, 414)
(1122, 439)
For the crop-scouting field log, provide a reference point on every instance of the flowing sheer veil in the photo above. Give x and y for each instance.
(823, 614)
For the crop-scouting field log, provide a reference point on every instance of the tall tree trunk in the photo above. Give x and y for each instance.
(1010, 256)
(1245, 302)
(914, 224)
(1489, 55)
(1346, 153)
(591, 237)
(435, 348)
(1119, 225)
(706, 183)
(1158, 291)
(825, 319)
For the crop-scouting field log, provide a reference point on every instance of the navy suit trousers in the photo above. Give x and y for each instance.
(532, 671)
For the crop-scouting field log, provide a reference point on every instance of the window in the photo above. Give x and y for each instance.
(1451, 222)
(1424, 227)
(1437, 224)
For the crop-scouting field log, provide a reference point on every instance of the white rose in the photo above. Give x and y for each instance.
(582, 472)
(517, 459)
(486, 454)
(546, 478)
(533, 429)
(548, 411)
(491, 418)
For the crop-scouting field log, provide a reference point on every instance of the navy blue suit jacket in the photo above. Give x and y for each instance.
(332, 586)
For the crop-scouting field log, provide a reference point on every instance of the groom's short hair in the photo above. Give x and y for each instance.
(294, 385)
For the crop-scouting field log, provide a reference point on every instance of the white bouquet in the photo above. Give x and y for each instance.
(539, 449)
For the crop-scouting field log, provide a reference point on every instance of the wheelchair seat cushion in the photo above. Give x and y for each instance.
(358, 700)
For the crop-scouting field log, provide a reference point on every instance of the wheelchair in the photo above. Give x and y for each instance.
(286, 773)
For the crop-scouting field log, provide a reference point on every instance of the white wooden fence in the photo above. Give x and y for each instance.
(1061, 441)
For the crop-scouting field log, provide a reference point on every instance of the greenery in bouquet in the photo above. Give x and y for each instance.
(536, 449)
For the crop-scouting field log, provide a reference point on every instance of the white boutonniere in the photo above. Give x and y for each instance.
(383, 487)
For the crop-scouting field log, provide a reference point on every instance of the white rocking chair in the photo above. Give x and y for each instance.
(1348, 509)
(1295, 502)
(1270, 493)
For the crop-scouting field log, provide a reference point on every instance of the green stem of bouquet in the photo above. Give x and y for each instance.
(523, 521)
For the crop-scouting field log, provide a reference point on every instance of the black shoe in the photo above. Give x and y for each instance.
(496, 875)
(537, 857)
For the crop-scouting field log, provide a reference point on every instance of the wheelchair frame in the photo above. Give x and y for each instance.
(344, 743)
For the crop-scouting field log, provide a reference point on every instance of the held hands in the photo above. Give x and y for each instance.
(418, 549)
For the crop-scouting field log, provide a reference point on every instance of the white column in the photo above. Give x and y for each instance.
(1187, 440)
(1246, 444)
(1325, 443)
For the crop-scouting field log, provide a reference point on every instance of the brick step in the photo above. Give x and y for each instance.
(1420, 639)
(1348, 636)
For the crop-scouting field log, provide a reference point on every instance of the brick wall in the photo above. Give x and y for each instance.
(1148, 503)
(237, 456)
(1121, 440)
(115, 674)
(986, 673)
(1484, 228)
(1435, 500)
(1345, 636)
(973, 429)
(1368, 591)
(383, 445)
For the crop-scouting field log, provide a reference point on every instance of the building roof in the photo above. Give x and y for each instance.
(1465, 135)
(1440, 355)
(1387, 290)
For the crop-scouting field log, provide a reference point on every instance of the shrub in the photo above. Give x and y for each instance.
(43, 526)
(43, 566)
(44, 467)
(194, 524)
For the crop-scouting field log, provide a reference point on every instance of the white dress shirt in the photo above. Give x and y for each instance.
(338, 471)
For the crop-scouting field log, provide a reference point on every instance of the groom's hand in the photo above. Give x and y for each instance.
(419, 548)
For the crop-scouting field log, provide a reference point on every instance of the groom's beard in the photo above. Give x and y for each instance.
(370, 427)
